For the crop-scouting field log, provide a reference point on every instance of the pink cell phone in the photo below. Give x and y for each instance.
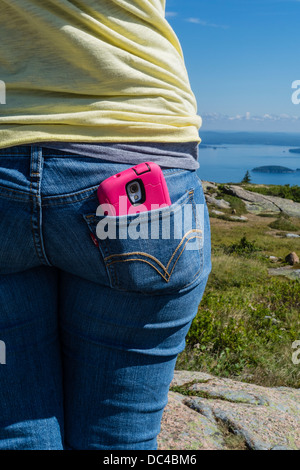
(140, 188)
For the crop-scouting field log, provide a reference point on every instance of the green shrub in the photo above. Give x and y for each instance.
(266, 214)
(243, 247)
(282, 223)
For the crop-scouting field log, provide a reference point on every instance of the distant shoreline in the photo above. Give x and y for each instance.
(211, 138)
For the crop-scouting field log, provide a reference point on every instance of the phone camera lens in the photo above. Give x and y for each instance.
(134, 188)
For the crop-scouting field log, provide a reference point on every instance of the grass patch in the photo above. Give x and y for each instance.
(184, 389)
(234, 201)
(232, 440)
(247, 320)
(235, 271)
(226, 217)
(285, 191)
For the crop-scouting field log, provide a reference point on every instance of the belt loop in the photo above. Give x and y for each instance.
(36, 164)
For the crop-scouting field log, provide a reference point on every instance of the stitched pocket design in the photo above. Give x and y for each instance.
(155, 252)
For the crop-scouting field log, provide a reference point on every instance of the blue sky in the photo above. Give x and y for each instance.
(242, 57)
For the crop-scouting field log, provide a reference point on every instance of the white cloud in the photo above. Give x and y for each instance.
(248, 117)
(205, 23)
(171, 14)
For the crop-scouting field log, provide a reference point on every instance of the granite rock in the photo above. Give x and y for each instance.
(212, 413)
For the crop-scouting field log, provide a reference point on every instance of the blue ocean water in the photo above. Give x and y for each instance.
(229, 162)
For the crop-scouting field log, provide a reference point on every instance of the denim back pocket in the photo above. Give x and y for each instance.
(153, 252)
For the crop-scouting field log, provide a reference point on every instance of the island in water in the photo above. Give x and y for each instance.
(274, 169)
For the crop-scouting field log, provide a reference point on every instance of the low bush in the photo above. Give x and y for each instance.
(282, 223)
(242, 247)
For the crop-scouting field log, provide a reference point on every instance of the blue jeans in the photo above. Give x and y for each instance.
(92, 328)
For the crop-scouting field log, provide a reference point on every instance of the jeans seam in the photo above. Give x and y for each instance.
(170, 171)
(27, 195)
(91, 189)
(32, 197)
(8, 196)
(167, 275)
(165, 268)
(36, 206)
(92, 195)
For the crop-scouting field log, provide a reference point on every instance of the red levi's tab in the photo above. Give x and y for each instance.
(95, 241)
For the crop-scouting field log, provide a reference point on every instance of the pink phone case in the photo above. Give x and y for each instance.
(113, 192)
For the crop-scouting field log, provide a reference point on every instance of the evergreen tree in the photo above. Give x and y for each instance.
(247, 177)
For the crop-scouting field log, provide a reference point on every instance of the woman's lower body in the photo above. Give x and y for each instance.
(92, 328)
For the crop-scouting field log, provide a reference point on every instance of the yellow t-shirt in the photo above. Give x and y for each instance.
(92, 71)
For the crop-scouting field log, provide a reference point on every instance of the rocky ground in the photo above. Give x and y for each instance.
(209, 413)
(255, 202)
